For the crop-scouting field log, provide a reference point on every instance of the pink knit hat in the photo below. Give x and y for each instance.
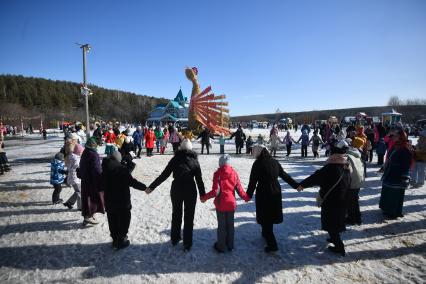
(78, 149)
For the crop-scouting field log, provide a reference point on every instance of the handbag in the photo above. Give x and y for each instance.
(320, 201)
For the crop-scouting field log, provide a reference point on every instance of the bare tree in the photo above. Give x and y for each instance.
(394, 101)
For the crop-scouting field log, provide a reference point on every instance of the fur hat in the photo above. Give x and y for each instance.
(59, 156)
(116, 156)
(224, 159)
(74, 136)
(186, 145)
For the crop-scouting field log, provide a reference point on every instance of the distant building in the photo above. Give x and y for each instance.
(175, 110)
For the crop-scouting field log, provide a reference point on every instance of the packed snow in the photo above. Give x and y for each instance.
(41, 242)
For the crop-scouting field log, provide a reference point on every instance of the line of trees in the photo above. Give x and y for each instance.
(396, 101)
(57, 100)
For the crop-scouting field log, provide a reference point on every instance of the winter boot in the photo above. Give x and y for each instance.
(270, 249)
(124, 243)
(89, 221)
(339, 248)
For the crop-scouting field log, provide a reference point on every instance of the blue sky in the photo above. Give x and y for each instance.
(264, 55)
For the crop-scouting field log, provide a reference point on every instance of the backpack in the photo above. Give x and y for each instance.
(357, 175)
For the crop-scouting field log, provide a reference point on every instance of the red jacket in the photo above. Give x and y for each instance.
(109, 137)
(225, 182)
(149, 139)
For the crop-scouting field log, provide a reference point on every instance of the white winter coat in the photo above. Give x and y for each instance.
(357, 175)
(72, 162)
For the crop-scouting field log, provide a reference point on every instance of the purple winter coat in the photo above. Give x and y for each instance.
(92, 197)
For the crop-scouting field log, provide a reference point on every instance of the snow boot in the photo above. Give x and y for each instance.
(339, 248)
(90, 221)
(124, 243)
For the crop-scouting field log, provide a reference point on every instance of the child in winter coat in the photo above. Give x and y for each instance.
(149, 141)
(109, 138)
(158, 137)
(260, 140)
(381, 151)
(249, 145)
(222, 143)
(275, 141)
(57, 176)
(225, 182)
(288, 140)
(305, 142)
(316, 142)
(164, 140)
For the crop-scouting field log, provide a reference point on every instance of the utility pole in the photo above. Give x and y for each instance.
(85, 48)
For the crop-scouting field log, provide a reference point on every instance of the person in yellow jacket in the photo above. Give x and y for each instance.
(120, 139)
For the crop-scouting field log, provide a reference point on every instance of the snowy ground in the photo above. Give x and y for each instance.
(40, 242)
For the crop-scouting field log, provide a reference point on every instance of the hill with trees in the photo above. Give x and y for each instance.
(28, 97)
(411, 113)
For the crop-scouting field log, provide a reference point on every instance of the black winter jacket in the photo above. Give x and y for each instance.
(185, 167)
(116, 183)
(264, 179)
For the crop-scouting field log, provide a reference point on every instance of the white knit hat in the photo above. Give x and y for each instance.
(224, 159)
(186, 145)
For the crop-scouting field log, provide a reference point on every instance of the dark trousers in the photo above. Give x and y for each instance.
(222, 149)
(207, 148)
(183, 202)
(304, 151)
(370, 155)
(175, 146)
(225, 230)
(380, 159)
(239, 146)
(316, 155)
(268, 234)
(352, 203)
(157, 143)
(56, 192)
(119, 224)
(335, 239)
(149, 151)
(288, 150)
(138, 147)
(249, 150)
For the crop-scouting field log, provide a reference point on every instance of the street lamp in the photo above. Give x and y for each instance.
(85, 91)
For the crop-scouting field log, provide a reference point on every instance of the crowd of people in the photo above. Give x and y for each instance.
(103, 186)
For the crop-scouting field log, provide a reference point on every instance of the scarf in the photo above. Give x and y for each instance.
(339, 159)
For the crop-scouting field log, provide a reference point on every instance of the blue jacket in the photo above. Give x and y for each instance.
(397, 168)
(137, 137)
(57, 172)
(381, 148)
(305, 139)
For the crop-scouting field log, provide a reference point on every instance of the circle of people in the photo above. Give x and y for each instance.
(106, 186)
